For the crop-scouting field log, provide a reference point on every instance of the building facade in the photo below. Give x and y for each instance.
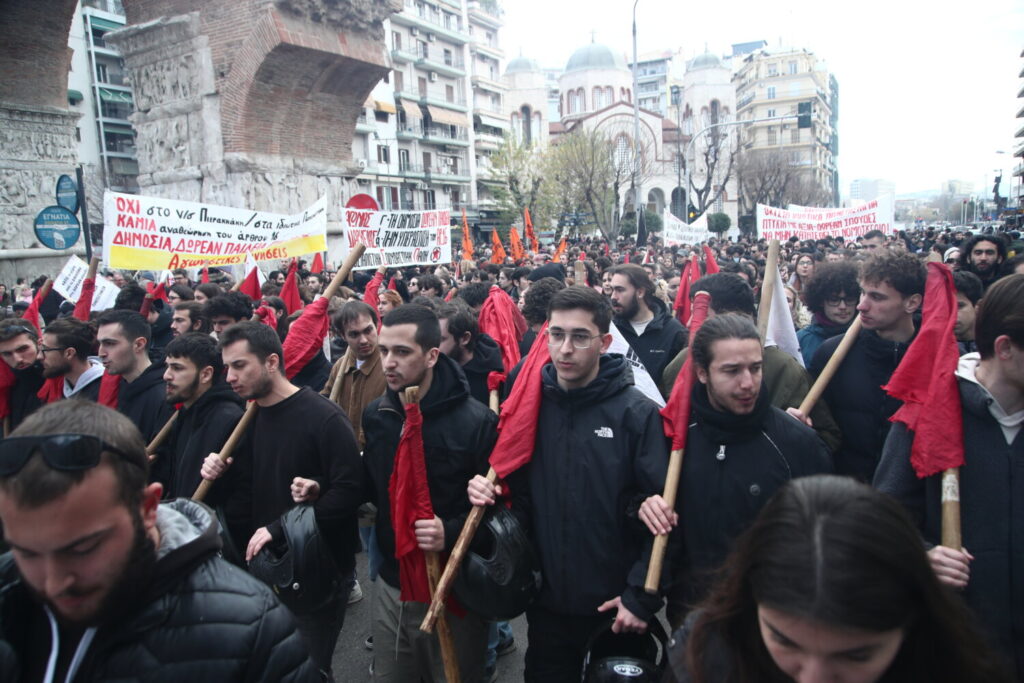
(772, 82)
(866, 189)
(653, 80)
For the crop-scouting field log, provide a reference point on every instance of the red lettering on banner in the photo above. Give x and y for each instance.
(357, 219)
(129, 205)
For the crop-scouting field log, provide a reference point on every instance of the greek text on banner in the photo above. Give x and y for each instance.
(810, 224)
(152, 233)
(398, 238)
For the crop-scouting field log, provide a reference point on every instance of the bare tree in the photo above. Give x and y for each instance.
(519, 170)
(714, 165)
(767, 176)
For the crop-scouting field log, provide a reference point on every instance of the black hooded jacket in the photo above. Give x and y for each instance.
(198, 431)
(144, 401)
(458, 435)
(599, 452)
(162, 334)
(663, 338)
(858, 403)
(486, 359)
(198, 618)
(23, 396)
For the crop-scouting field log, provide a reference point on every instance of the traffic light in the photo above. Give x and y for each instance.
(803, 111)
(691, 212)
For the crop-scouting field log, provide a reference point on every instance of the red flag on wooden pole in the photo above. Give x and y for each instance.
(467, 242)
(531, 236)
(710, 264)
(498, 252)
(559, 251)
(318, 263)
(518, 253)
(290, 290)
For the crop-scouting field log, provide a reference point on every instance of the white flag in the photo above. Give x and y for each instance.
(641, 379)
(781, 332)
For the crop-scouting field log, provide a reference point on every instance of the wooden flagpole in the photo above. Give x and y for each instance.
(161, 436)
(768, 285)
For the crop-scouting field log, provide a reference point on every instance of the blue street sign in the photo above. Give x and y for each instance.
(57, 228)
(67, 193)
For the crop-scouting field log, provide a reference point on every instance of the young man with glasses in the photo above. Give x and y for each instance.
(67, 350)
(104, 582)
(19, 348)
(599, 452)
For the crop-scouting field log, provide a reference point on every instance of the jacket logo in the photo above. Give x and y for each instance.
(604, 432)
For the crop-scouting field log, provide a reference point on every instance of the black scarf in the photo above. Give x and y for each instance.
(725, 428)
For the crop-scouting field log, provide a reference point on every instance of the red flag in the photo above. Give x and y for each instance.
(110, 387)
(607, 249)
(926, 383)
(318, 263)
(451, 294)
(625, 258)
(582, 256)
(305, 337)
(371, 295)
(710, 264)
(531, 236)
(31, 314)
(675, 416)
(559, 251)
(517, 424)
(691, 273)
(392, 284)
(498, 321)
(84, 304)
(290, 290)
(267, 316)
(497, 252)
(205, 277)
(7, 382)
(410, 501)
(518, 253)
(158, 291)
(467, 242)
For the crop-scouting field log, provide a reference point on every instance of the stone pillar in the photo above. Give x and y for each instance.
(251, 103)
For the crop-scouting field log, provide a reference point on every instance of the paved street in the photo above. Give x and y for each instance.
(352, 659)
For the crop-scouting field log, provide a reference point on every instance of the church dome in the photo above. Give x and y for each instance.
(595, 56)
(705, 61)
(522, 65)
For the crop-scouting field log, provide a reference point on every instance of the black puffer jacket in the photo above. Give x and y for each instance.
(732, 467)
(663, 338)
(600, 450)
(486, 359)
(991, 510)
(24, 400)
(144, 401)
(858, 403)
(199, 619)
(458, 435)
(197, 432)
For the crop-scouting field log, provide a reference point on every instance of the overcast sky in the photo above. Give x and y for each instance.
(927, 90)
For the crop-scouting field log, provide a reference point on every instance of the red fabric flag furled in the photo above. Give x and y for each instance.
(517, 424)
(110, 387)
(267, 316)
(158, 291)
(531, 236)
(250, 286)
(467, 242)
(84, 304)
(518, 253)
(392, 284)
(371, 293)
(498, 320)
(318, 263)
(410, 501)
(559, 251)
(31, 313)
(691, 273)
(675, 416)
(305, 337)
(926, 383)
(497, 251)
(710, 264)
(7, 382)
(290, 290)
(205, 277)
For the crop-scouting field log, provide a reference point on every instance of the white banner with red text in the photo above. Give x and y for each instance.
(807, 223)
(395, 238)
(676, 232)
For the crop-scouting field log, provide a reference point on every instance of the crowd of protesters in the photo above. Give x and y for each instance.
(777, 568)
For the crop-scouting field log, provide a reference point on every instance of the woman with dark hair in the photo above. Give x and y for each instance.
(179, 293)
(831, 295)
(803, 270)
(207, 291)
(281, 311)
(831, 583)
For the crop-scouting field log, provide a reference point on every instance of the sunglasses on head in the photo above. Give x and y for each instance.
(66, 452)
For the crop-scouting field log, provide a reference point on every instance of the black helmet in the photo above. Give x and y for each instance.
(625, 657)
(301, 570)
(500, 575)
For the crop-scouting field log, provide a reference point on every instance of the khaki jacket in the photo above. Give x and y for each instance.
(358, 387)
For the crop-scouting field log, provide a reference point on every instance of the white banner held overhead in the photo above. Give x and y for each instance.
(676, 232)
(812, 224)
(68, 284)
(396, 238)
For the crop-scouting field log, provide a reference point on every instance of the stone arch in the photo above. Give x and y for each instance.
(36, 58)
(656, 200)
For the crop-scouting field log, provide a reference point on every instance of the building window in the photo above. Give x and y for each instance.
(422, 85)
(792, 68)
(794, 136)
(381, 116)
(429, 201)
(399, 81)
(772, 137)
(384, 154)
(421, 48)
(773, 69)
(623, 151)
(527, 117)
(715, 111)
(448, 58)
(403, 160)
(771, 92)
(449, 93)
(771, 113)
(598, 97)
(396, 40)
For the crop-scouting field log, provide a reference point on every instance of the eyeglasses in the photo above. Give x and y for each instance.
(579, 339)
(849, 301)
(44, 349)
(66, 452)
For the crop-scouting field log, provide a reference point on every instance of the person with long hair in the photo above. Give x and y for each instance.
(803, 270)
(830, 583)
(831, 296)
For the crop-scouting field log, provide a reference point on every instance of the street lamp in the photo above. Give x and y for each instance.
(636, 134)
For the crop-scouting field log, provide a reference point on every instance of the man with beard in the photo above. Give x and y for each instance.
(644, 319)
(599, 451)
(123, 338)
(188, 317)
(303, 450)
(458, 434)
(102, 580)
(359, 370)
(983, 255)
(476, 352)
(19, 347)
(209, 412)
(739, 451)
(68, 344)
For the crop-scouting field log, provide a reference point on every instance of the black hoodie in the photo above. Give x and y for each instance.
(144, 401)
(486, 359)
(198, 431)
(458, 435)
(662, 339)
(23, 398)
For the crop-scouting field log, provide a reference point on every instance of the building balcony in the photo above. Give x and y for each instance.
(447, 175)
(452, 66)
(444, 135)
(487, 83)
(492, 50)
(458, 102)
(487, 13)
(426, 24)
(403, 56)
(1019, 171)
(487, 141)
(409, 131)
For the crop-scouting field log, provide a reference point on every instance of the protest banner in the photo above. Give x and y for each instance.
(396, 238)
(152, 233)
(68, 284)
(807, 223)
(676, 232)
(641, 378)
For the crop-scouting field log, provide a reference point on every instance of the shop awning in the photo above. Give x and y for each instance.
(119, 130)
(115, 96)
(368, 103)
(446, 116)
(495, 121)
(381, 105)
(412, 110)
(104, 24)
(75, 96)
